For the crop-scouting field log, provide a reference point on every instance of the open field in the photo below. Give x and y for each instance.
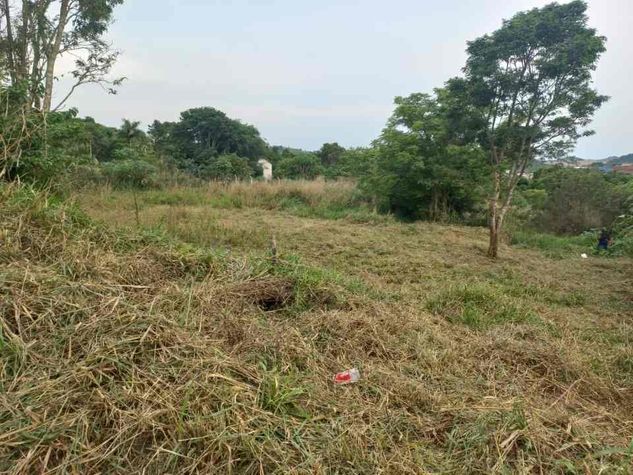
(163, 339)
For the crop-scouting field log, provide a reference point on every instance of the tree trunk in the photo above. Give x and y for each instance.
(493, 246)
(10, 45)
(51, 56)
(498, 213)
(24, 62)
(494, 223)
(36, 71)
(434, 207)
(494, 227)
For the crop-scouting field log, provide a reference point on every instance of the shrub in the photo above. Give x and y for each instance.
(576, 200)
(47, 147)
(623, 234)
(295, 165)
(130, 174)
(226, 168)
(83, 176)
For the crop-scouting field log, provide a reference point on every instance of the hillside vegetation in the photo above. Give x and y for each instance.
(167, 310)
(158, 336)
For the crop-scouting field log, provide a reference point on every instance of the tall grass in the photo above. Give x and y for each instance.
(272, 195)
(305, 198)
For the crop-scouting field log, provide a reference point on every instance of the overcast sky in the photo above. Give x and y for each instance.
(308, 72)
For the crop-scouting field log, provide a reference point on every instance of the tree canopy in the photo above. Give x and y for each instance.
(330, 154)
(34, 34)
(531, 83)
(425, 165)
(298, 164)
(203, 134)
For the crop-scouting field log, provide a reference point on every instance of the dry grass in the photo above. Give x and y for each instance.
(126, 351)
(318, 198)
(310, 192)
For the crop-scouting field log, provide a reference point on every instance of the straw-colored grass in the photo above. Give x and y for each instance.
(177, 347)
(317, 198)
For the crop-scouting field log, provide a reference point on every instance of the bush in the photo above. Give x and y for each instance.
(354, 162)
(623, 234)
(295, 165)
(49, 147)
(226, 168)
(83, 176)
(576, 200)
(131, 174)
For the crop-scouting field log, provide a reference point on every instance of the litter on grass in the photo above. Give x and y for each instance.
(347, 377)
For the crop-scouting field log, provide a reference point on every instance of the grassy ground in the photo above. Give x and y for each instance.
(165, 340)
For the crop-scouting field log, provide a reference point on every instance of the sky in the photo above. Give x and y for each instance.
(309, 72)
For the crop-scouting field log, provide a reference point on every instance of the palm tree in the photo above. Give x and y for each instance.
(130, 130)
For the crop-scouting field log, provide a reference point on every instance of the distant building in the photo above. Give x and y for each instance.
(267, 168)
(626, 169)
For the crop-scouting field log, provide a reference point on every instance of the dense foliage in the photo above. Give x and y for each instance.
(425, 164)
(531, 83)
(575, 200)
(297, 164)
(201, 136)
(226, 168)
(456, 155)
(59, 149)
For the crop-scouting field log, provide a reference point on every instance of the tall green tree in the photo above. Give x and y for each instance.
(130, 130)
(34, 34)
(427, 163)
(330, 154)
(531, 81)
(203, 134)
(104, 141)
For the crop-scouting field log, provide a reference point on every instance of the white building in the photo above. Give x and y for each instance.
(267, 167)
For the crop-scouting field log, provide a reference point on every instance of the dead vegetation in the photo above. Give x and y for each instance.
(133, 351)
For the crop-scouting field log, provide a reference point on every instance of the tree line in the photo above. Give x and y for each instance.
(459, 153)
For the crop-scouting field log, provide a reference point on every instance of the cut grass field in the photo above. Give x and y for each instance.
(158, 337)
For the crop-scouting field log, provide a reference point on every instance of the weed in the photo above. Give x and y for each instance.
(479, 307)
(178, 346)
(280, 395)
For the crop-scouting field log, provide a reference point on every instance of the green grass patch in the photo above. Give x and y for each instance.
(480, 307)
(557, 247)
(318, 205)
(281, 394)
(511, 284)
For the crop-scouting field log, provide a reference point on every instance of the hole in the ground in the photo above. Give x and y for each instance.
(270, 303)
(268, 294)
